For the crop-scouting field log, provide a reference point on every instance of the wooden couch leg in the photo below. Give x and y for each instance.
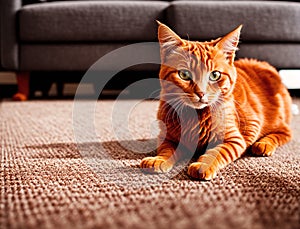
(23, 86)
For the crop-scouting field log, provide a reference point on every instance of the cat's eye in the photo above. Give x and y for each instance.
(215, 75)
(185, 74)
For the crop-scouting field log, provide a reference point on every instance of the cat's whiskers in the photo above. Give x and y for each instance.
(176, 104)
(179, 109)
(187, 100)
(176, 108)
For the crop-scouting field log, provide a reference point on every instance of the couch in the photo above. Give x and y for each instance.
(67, 36)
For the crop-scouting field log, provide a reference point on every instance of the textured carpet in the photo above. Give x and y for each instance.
(50, 180)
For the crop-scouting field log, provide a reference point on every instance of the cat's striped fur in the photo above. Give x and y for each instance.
(246, 107)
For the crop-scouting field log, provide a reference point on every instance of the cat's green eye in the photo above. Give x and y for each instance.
(185, 74)
(214, 76)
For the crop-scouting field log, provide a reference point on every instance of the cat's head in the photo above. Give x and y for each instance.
(198, 73)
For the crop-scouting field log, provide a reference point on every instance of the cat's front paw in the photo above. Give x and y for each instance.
(263, 149)
(200, 170)
(156, 164)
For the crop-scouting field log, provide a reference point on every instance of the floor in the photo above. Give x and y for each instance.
(76, 165)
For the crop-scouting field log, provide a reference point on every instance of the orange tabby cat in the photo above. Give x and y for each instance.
(239, 105)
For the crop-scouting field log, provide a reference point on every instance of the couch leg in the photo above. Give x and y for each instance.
(23, 86)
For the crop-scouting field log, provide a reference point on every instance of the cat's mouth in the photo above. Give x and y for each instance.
(199, 105)
(196, 104)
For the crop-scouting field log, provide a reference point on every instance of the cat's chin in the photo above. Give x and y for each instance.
(201, 106)
(197, 105)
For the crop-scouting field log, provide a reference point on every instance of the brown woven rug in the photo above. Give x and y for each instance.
(52, 177)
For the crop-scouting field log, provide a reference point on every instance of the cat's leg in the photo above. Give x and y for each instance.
(213, 160)
(268, 144)
(165, 159)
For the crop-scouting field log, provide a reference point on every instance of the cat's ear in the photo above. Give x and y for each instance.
(167, 38)
(228, 44)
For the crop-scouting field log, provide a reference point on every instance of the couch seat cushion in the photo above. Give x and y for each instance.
(263, 21)
(91, 21)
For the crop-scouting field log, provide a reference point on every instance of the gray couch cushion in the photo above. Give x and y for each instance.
(80, 57)
(91, 21)
(72, 57)
(26, 2)
(263, 21)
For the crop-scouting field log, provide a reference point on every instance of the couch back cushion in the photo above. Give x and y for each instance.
(91, 21)
(263, 22)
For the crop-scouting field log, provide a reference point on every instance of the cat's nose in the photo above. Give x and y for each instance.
(200, 94)
(203, 98)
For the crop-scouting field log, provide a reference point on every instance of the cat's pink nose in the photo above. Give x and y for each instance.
(200, 94)
(203, 98)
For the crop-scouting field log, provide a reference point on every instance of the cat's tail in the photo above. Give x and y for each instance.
(295, 109)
